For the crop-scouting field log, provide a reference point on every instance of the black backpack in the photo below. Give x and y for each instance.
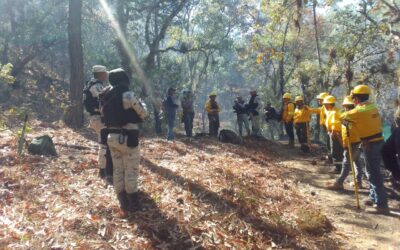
(90, 102)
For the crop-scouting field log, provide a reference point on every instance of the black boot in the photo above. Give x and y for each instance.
(134, 202)
(102, 173)
(123, 200)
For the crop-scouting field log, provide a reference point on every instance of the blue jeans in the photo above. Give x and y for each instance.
(171, 124)
(373, 160)
(356, 153)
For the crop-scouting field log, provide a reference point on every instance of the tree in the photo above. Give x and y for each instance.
(75, 110)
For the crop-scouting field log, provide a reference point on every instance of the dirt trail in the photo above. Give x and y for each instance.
(356, 228)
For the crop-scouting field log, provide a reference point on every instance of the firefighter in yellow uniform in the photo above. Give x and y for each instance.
(302, 118)
(355, 140)
(287, 117)
(322, 121)
(212, 107)
(366, 120)
(334, 129)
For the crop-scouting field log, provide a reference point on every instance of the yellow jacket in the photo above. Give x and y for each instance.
(322, 115)
(354, 137)
(304, 114)
(212, 108)
(366, 121)
(288, 112)
(333, 123)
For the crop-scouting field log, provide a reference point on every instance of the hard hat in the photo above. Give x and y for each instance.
(99, 69)
(348, 101)
(361, 90)
(213, 94)
(330, 99)
(322, 95)
(287, 96)
(298, 98)
(118, 76)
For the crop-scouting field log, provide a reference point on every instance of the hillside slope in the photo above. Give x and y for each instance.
(197, 194)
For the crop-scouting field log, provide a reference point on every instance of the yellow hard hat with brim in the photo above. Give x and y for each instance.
(287, 96)
(322, 95)
(330, 99)
(348, 101)
(298, 99)
(361, 90)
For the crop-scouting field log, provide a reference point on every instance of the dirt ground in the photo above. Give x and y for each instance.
(356, 228)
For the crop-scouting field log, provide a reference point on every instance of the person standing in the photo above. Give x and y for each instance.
(271, 119)
(355, 141)
(334, 128)
(253, 107)
(212, 107)
(188, 111)
(302, 118)
(242, 116)
(122, 114)
(366, 120)
(91, 102)
(322, 121)
(391, 148)
(170, 109)
(287, 117)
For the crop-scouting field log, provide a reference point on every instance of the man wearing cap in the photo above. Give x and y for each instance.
(366, 120)
(91, 102)
(213, 109)
(253, 108)
(287, 117)
(241, 114)
(123, 113)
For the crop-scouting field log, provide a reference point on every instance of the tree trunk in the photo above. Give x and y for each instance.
(76, 64)
(122, 17)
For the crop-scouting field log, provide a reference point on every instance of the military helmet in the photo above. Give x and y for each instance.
(330, 99)
(213, 94)
(118, 76)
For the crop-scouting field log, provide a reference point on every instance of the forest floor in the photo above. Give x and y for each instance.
(197, 194)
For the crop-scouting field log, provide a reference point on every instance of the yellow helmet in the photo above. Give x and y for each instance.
(298, 98)
(361, 90)
(213, 94)
(348, 100)
(330, 99)
(287, 96)
(322, 95)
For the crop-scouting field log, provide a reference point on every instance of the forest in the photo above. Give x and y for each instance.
(199, 193)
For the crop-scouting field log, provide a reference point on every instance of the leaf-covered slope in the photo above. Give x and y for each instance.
(196, 193)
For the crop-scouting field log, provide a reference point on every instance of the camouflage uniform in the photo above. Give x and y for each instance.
(126, 159)
(97, 125)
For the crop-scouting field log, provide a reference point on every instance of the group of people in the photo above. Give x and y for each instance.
(353, 131)
(115, 115)
(170, 106)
